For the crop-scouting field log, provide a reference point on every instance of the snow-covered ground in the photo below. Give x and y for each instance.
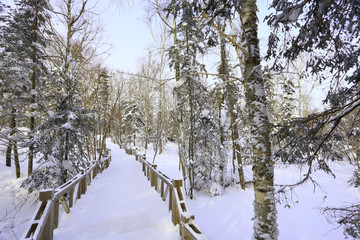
(230, 216)
(120, 204)
(16, 205)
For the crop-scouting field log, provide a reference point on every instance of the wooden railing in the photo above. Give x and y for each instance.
(173, 191)
(46, 216)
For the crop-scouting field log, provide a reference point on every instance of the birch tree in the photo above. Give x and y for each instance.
(248, 52)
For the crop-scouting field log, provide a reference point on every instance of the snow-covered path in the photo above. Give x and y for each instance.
(119, 204)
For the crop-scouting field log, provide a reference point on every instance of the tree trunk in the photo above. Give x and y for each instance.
(222, 165)
(224, 70)
(16, 160)
(8, 154)
(33, 96)
(177, 99)
(265, 225)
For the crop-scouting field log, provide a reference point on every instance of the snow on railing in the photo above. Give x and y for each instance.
(173, 191)
(46, 216)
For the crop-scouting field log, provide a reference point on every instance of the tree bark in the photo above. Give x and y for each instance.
(16, 160)
(32, 99)
(224, 70)
(265, 225)
(8, 154)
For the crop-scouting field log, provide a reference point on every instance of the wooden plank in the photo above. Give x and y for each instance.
(64, 204)
(56, 213)
(44, 230)
(170, 198)
(175, 209)
(71, 197)
(31, 228)
(166, 193)
(162, 188)
(79, 191)
(46, 194)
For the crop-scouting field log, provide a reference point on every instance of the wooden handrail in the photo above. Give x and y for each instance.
(175, 194)
(46, 215)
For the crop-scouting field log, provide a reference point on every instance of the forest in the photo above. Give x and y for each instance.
(205, 85)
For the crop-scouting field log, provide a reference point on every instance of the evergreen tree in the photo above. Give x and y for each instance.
(133, 124)
(196, 117)
(331, 33)
(247, 48)
(312, 139)
(23, 41)
(61, 137)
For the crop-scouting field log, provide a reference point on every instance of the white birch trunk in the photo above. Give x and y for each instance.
(265, 225)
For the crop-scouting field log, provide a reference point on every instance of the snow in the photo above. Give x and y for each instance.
(229, 216)
(68, 126)
(120, 204)
(16, 205)
(234, 31)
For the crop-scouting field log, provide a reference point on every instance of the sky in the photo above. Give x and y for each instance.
(127, 36)
(126, 31)
(125, 28)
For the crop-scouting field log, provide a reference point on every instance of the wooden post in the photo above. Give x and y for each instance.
(162, 188)
(79, 190)
(177, 183)
(153, 177)
(88, 176)
(56, 213)
(94, 171)
(84, 187)
(175, 210)
(71, 197)
(170, 198)
(64, 204)
(44, 196)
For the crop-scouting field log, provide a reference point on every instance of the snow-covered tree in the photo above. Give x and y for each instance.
(61, 137)
(246, 45)
(329, 30)
(23, 42)
(133, 123)
(198, 124)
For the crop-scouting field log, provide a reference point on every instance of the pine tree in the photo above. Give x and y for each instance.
(196, 116)
(314, 143)
(61, 137)
(23, 43)
(133, 124)
(331, 34)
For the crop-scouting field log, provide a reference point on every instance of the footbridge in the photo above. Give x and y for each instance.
(131, 199)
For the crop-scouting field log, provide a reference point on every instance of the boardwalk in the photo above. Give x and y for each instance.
(119, 204)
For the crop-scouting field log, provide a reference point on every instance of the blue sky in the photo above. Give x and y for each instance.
(127, 33)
